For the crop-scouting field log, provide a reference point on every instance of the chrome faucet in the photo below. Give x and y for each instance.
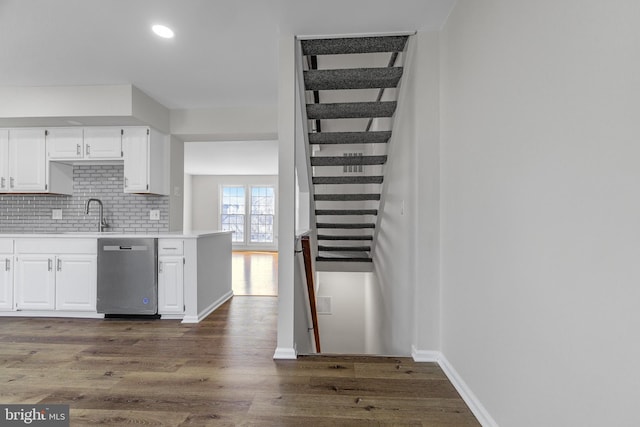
(102, 224)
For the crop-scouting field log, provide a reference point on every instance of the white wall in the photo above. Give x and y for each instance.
(248, 123)
(342, 331)
(541, 208)
(231, 158)
(286, 345)
(205, 202)
(406, 258)
(176, 184)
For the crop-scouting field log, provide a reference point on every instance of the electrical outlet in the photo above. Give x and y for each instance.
(154, 215)
(56, 213)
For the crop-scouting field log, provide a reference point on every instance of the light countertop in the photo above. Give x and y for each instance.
(193, 234)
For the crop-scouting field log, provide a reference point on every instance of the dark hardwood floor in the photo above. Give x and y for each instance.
(219, 372)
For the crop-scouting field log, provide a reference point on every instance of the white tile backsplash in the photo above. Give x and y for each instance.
(128, 213)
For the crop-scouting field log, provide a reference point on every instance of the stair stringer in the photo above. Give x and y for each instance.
(303, 150)
(407, 55)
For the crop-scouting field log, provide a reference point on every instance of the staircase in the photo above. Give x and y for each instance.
(351, 92)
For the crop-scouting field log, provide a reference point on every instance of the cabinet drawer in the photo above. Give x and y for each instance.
(6, 246)
(170, 247)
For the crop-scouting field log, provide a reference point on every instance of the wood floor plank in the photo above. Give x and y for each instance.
(401, 369)
(383, 409)
(219, 372)
(92, 417)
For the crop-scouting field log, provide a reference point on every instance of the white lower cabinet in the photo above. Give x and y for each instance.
(6, 274)
(76, 282)
(56, 274)
(170, 285)
(35, 282)
(170, 276)
(6, 282)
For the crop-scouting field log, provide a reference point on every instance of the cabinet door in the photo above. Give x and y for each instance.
(6, 282)
(170, 285)
(103, 143)
(35, 282)
(4, 160)
(64, 143)
(135, 144)
(76, 282)
(27, 160)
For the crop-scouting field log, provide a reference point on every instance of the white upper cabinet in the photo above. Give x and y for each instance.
(145, 161)
(24, 167)
(135, 143)
(27, 160)
(100, 143)
(65, 143)
(4, 160)
(103, 143)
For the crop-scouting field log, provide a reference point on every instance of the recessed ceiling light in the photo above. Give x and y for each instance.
(162, 31)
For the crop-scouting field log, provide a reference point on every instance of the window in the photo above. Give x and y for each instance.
(233, 212)
(262, 212)
(258, 219)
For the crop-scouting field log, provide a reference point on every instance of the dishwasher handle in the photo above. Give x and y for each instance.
(117, 248)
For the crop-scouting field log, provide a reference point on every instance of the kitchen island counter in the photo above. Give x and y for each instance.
(194, 273)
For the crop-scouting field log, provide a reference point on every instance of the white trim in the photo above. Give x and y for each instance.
(207, 311)
(425, 355)
(285, 354)
(355, 35)
(52, 313)
(247, 244)
(172, 316)
(472, 401)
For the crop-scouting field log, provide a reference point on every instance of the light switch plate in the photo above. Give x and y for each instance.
(154, 215)
(56, 213)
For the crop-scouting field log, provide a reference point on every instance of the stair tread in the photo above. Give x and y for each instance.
(352, 78)
(352, 237)
(373, 137)
(344, 248)
(346, 212)
(345, 225)
(347, 197)
(347, 160)
(338, 46)
(351, 110)
(347, 179)
(349, 259)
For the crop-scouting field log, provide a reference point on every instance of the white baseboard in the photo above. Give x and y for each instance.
(472, 401)
(425, 355)
(53, 313)
(208, 310)
(285, 353)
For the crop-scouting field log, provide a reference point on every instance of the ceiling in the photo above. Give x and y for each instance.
(225, 52)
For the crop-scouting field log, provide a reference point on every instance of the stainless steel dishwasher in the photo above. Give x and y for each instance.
(127, 276)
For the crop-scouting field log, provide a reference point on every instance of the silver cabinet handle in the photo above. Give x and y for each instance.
(78, 149)
(59, 265)
(49, 263)
(7, 264)
(160, 266)
(88, 149)
(2, 181)
(11, 182)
